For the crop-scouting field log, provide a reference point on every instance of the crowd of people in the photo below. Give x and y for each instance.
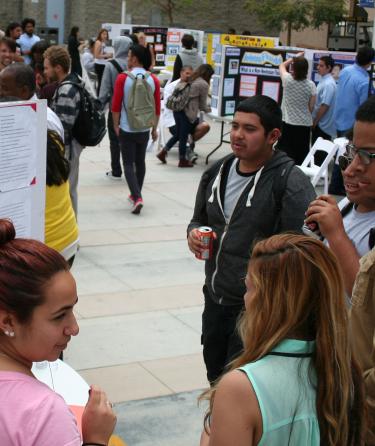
(282, 310)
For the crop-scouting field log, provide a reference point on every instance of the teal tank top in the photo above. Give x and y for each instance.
(285, 385)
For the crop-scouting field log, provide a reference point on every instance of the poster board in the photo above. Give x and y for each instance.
(216, 41)
(23, 146)
(118, 29)
(342, 60)
(243, 73)
(157, 38)
(174, 44)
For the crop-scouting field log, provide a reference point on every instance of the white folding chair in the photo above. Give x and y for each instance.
(341, 142)
(313, 171)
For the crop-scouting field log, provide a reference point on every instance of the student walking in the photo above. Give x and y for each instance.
(136, 111)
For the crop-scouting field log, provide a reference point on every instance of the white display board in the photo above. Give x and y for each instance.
(174, 43)
(23, 146)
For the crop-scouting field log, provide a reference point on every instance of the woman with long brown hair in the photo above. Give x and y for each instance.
(101, 55)
(296, 382)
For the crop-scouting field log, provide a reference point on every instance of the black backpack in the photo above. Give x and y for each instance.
(89, 128)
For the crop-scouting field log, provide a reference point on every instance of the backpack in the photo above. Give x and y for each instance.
(179, 99)
(89, 128)
(140, 107)
(116, 65)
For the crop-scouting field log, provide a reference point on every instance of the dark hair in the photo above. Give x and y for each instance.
(74, 31)
(328, 61)
(39, 48)
(142, 54)
(26, 266)
(23, 74)
(300, 68)
(365, 55)
(205, 71)
(11, 27)
(366, 111)
(267, 109)
(26, 22)
(10, 43)
(247, 32)
(231, 31)
(100, 33)
(134, 38)
(187, 41)
(57, 164)
(186, 67)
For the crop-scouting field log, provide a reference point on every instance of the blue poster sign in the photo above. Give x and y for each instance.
(367, 3)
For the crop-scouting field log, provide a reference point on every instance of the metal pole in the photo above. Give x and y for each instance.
(123, 11)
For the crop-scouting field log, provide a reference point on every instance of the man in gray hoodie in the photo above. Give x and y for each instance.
(115, 66)
(188, 56)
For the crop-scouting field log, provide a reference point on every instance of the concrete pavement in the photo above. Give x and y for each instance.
(140, 298)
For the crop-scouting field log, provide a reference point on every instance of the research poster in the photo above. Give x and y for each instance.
(23, 145)
(246, 72)
(342, 60)
(156, 38)
(174, 44)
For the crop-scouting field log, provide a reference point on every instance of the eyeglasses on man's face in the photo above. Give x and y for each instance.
(351, 151)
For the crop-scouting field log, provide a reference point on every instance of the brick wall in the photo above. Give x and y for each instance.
(90, 14)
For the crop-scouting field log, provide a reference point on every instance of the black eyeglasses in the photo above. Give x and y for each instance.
(351, 152)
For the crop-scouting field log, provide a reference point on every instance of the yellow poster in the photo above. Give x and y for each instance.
(249, 41)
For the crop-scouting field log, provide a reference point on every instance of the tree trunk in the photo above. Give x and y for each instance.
(289, 34)
(170, 11)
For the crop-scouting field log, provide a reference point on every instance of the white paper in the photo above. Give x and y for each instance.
(16, 205)
(248, 86)
(271, 89)
(229, 107)
(233, 66)
(228, 87)
(18, 139)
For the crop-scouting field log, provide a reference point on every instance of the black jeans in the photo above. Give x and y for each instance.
(295, 141)
(220, 340)
(99, 70)
(336, 185)
(133, 149)
(183, 128)
(114, 145)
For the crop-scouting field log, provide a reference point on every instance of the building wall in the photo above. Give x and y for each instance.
(90, 14)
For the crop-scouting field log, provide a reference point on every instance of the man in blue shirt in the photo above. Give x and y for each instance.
(352, 90)
(27, 39)
(323, 114)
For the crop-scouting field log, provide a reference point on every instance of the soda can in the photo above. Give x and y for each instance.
(206, 235)
(312, 229)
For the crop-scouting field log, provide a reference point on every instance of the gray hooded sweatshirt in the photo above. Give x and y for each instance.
(121, 47)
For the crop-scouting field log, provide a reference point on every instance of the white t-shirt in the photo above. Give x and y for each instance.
(168, 119)
(296, 98)
(357, 226)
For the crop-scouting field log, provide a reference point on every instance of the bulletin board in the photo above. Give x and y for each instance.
(342, 60)
(174, 44)
(157, 38)
(23, 147)
(243, 73)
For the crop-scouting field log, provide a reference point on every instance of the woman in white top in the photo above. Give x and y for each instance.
(100, 55)
(298, 102)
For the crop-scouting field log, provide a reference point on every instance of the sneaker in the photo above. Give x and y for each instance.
(113, 177)
(131, 199)
(193, 157)
(138, 205)
(185, 163)
(162, 155)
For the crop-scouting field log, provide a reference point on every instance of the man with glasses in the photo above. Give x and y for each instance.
(349, 226)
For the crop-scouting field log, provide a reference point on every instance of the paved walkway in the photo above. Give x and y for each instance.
(140, 298)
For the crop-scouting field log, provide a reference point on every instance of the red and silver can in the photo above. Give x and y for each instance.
(206, 235)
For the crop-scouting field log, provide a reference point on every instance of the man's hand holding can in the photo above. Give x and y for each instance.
(198, 242)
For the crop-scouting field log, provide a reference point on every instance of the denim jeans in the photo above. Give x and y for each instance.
(183, 128)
